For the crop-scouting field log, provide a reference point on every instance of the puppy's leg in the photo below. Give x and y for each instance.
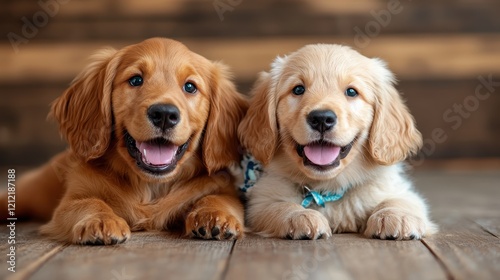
(400, 219)
(288, 220)
(275, 210)
(218, 216)
(87, 221)
(208, 200)
(85, 215)
(39, 191)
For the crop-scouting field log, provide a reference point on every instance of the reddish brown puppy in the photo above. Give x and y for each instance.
(151, 128)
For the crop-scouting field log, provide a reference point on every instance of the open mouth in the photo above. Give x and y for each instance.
(323, 155)
(156, 156)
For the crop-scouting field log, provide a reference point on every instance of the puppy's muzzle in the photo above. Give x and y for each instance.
(164, 116)
(322, 120)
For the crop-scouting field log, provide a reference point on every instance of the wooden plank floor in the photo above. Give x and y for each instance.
(465, 204)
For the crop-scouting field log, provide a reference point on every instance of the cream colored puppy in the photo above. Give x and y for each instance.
(332, 131)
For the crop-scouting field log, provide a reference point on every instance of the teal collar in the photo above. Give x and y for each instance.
(319, 198)
(252, 171)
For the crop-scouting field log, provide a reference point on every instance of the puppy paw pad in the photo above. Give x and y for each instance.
(213, 224)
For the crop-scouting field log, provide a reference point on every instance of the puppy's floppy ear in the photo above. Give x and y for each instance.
(84, 110)
(393, 135)
(258, 132)
(227, 107)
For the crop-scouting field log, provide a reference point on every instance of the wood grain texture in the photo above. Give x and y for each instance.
(147, 255)
(344, 256)
(465, 205)
(462, 194)
(466, 247)
(491, 225)
(128, 19)
(410, 56)
(31, 250)
(466, 250)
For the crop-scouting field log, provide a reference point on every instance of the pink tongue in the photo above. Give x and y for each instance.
(157, 154)
(321, 154)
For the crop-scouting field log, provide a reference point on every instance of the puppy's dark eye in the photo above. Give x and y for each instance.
(351, 92)
(298, 90)
(190, 87)
(135, 81)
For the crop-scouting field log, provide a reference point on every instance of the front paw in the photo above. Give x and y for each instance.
(396, 224)
(208, 223)
(306, 224)
(102, 229)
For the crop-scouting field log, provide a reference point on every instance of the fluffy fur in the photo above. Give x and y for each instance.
(110, 191)
(379, 200)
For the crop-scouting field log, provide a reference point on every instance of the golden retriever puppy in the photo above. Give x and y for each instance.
(331, 131)
(151, 128)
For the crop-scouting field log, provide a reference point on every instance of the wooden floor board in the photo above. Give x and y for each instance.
(344, 256)
(147, 255)
(491, 225)
(464, 204)
(466, 249)
(387, 259)
(258, 258)
(30, 248)
(461, 194)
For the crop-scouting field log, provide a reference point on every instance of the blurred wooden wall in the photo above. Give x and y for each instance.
(439, 51)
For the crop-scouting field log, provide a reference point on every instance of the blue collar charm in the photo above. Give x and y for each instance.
(319, 198)
(252, 172)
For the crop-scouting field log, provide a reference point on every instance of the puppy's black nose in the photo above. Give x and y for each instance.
(164, 116)
(322, 120)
